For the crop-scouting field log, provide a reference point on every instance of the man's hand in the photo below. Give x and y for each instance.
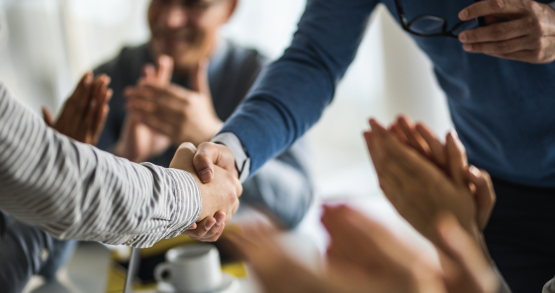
(219, 197)
(465, 266)
(451, 158)
(138, 142)
(84, 113)
(522, 30)
(418, 189)
(181, 114)
(363, 257)
(210, 154)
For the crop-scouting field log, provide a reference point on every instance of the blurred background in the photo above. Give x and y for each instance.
(46, 45)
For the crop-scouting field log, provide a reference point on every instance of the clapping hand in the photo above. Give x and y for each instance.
(363, 257)
(522, 30)
(138, 142)
(181, 114)
(84, 113)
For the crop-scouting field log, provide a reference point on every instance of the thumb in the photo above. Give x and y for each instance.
(209, 154)
(47, 117)
(199, 78)
(165, 70)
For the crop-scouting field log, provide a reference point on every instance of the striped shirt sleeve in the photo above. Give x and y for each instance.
(75, 191)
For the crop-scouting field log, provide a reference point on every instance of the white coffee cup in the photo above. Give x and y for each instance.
(191, 268)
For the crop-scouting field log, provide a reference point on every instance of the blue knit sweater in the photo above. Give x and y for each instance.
(504, 111)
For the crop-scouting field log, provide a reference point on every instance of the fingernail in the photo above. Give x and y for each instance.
(462, 37)
(467, 47)
(209, 225)
(205, 175)
(475, 171)
(463, 15)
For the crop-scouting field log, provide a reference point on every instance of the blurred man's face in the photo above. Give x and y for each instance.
(187, 29)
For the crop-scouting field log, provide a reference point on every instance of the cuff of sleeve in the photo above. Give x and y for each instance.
(552, 4)
(549, 287)
(242, 159)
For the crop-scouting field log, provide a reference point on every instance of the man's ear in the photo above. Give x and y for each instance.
(232, 7)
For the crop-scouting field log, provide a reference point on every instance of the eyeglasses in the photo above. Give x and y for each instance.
(426, 25)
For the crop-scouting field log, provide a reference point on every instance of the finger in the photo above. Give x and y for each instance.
(210, 154)
(415, 140)
(193, 227)
(456, 158)
(165, 70)
(199, 80)
(101, 118)
(436, 148)
(47, 117)
(83, 97)
(485, 194)
(497, 32)
(504, 47)
(203, 227)
(490, 7)
(396, 129)
(90, 112)
(149, 72)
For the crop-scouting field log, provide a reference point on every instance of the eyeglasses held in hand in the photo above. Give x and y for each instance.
(426, 25)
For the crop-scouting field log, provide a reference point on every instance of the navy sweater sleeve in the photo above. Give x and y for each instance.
(291, 94)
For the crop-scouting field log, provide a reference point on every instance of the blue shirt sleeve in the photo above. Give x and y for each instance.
(291, 94)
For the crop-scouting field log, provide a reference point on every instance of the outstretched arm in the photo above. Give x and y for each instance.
(75, 191)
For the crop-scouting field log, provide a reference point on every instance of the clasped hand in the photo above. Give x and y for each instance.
(522, 30)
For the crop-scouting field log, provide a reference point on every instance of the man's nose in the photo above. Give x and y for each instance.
(176, 17)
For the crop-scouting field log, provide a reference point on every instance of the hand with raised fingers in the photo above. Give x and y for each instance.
(451, 158)
(278, 272)
(416, 187)
(184, 115)
(466, 265)
(360, 246)
(220, 197)
(84, 113)
(137, 141)
(522, 30)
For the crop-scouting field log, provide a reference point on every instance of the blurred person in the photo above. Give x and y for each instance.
(498, 82)
(72, 190)
(180, 86)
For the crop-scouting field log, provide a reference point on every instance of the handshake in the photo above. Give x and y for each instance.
(219, 185)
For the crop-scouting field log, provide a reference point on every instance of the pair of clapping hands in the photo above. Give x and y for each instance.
(188, 116)
(433, 188)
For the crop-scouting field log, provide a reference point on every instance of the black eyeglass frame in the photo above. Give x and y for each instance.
(444, 32)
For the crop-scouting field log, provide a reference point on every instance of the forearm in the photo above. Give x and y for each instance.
(75, 191)
(291, 94)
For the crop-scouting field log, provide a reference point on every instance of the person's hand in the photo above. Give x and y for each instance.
(387, 263)
(182, 115)
(137, 141)
(210, 154)
(451, 158)
(466, 267)
(417, 188)
(363, 257)
(522, 30)
(84, 113)
(219, 197)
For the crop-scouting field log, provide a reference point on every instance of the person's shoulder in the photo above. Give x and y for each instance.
(128, 58)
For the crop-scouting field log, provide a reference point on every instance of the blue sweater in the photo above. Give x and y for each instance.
(504, 111)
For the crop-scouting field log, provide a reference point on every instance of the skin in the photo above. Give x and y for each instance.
(521, 30)
(219, 198)
(363, 257)
(187, 34)
(84, 112)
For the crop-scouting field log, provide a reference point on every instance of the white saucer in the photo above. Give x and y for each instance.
(229, 284)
